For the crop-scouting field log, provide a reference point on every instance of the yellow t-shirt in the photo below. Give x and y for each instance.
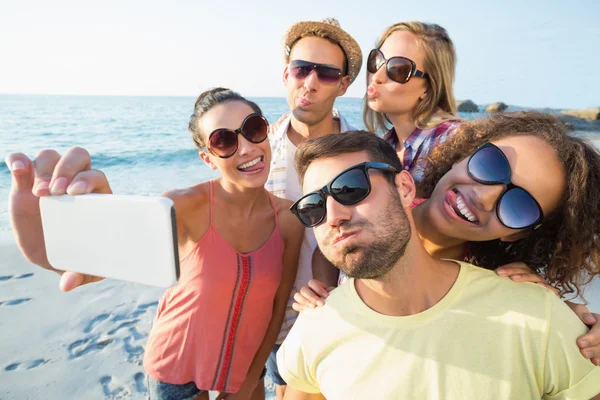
(488, 338)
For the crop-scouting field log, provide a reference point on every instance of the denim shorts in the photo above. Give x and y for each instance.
(272, 369)
(168, 391)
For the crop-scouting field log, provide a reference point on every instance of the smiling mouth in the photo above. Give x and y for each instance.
(250, 164)
(462, 210)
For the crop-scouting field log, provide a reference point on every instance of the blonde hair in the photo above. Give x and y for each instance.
(439, 62)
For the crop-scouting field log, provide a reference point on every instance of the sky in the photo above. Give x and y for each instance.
(525, 53)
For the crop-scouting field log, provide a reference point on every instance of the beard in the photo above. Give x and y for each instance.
(392, 232)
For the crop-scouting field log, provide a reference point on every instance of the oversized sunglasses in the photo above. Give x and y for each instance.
(223, 142)
(516, 208)
(326, 73)
(398, 69)
(348, 187)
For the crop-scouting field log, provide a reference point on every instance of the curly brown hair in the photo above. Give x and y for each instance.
(566, 248)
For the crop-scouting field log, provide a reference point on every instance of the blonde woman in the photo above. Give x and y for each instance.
(410, 76)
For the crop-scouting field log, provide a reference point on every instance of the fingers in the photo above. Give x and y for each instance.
(589, 344)
(513, 269)
(45, 163)
(319, 288)
(306, 298)
(92, 181)
(527, 277)
(74, 161)
(21, 168)
(71, 280)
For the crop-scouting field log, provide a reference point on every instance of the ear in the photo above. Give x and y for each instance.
(344, 85)
(206, 157)
(516, 236)
(286, 74)
(406, 188)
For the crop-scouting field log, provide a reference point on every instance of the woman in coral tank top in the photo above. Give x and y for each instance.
(239, 248)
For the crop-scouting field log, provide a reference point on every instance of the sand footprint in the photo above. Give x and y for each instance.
(84, 346)
(141, 309)
(14, 302)
(9, 277)
(112, 390)
(25, 365)
(140, 382)
(95, 322)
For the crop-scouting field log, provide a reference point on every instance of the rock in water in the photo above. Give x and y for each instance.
(588, 113)
(467, 106)
(496, 107)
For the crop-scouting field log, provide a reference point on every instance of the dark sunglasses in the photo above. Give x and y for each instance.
(223, 142)
(326, 73)
(348, 187)
(516, 208)
(398, 69)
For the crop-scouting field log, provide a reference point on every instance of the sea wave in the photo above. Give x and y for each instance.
(154, 158)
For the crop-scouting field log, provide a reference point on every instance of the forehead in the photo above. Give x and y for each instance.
(535, 166)
(318, 50)
(321, 171)
(402, 43)
(228, 115)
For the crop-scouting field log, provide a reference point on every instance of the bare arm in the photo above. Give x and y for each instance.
(323, 270)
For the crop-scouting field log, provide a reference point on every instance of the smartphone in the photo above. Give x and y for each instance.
(130, 238)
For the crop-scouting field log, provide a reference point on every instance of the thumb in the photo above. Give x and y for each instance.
(70, 280)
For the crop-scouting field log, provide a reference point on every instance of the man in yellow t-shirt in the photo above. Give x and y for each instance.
(406, 325)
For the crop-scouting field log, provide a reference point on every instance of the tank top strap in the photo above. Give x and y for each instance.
(274, 210)
(210, 203)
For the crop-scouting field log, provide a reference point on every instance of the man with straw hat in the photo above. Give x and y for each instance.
(321, 62)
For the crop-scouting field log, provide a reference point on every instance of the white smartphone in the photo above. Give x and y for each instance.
(130, 238)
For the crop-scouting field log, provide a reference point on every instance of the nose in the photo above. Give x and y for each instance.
(337, 213)
(311, 82)
(244, 145)
(486, 196)
(380, 76)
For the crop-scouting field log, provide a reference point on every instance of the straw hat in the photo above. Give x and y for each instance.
(332, 27)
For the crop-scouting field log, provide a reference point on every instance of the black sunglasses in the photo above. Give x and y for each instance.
(348, 187)
(223, 142)
(326, 73)
(516, 208)
(398, 69)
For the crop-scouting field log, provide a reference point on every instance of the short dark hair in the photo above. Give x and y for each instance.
(333, 145)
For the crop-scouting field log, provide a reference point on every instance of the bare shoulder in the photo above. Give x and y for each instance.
(288, 223)
(192, 206)
(189, 197)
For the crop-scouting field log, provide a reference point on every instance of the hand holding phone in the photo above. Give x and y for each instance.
(130, 238)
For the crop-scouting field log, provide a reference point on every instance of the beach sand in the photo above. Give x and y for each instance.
(86, 344)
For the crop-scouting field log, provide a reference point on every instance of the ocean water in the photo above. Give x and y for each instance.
(140, 143)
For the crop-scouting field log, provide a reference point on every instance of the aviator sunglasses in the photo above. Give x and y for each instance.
(398, 69)
(349, 187)
(326, 73)
(516, 208)
(223, 142)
